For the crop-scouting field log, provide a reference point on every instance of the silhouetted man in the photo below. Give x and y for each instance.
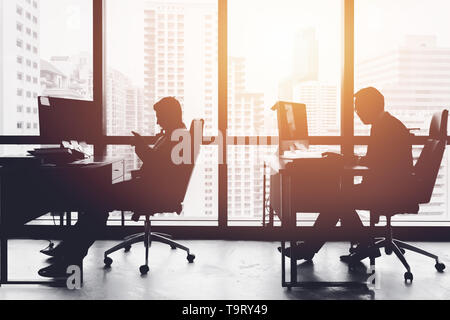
(390, 163)
(155, 179)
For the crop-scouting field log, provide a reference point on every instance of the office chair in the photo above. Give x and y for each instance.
(172, 204)
(425, 174)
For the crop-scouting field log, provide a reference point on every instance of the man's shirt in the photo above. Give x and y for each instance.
(158, 167)
(389, 155)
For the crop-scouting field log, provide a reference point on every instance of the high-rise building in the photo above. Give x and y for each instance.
(303, 85)
(321, 101)
(414, 79)
(126, 112)
(19, 66)
(245, 172)
(245, 109)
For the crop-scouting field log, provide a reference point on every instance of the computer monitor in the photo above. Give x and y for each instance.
(66, 119)
(292, 125)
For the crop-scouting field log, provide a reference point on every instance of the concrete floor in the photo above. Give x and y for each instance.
(224, 270)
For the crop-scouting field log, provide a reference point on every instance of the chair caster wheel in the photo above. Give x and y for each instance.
(388, 251)
(127, 248)
(409, 277)
(403, 251)
(144, 270)
(51, 245)
(173, 247)
(440, 267)
(191, 258)
(108, 262)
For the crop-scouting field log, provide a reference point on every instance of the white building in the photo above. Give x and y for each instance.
(126, 112)
(19, 66)
(322, 106)
(246, 117)
(78, 70)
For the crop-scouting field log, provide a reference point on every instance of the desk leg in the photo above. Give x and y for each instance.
(4, 260)
(372, 238)
(283, 265)
(69, 218)
(264, 196)
(271, 218)
(292, 226)
(289, 222)
(61, 217)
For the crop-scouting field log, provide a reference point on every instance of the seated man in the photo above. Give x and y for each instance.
(390, 163)
(155, 179)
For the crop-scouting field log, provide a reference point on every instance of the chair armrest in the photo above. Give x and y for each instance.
(356, 171)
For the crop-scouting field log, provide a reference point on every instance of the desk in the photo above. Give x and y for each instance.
(30, 190)
(297, 186)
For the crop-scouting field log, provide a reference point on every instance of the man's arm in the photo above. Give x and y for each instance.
(352, 160)
(144, 152)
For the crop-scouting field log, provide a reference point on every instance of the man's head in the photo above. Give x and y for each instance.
(169, 113)
(369, 104)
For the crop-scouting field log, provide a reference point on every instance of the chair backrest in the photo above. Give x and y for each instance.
(438, 127)
(427, 167)
(185, 171)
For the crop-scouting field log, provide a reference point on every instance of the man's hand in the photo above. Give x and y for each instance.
(138, 139)
(353, 160)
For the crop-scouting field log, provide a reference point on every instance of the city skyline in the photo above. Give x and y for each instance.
(177, 61)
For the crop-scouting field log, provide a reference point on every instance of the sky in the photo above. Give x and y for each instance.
(262, 31)
(381, 25)
(66, 27)
(125, 38)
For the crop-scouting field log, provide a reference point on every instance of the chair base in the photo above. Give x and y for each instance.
(140, 237)
(399, 248)
(147, 238)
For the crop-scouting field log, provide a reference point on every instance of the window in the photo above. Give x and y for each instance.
(143, 66)
(410, 64)
(287, 59)
(300, 51)
(295, 49)
(61, 68)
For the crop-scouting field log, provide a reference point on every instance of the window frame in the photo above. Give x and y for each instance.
(347, 140)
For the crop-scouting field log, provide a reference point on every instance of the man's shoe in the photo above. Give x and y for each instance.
(350, 259)
(300, 252)
(360, 254)
(56, 271)
(57, 251)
